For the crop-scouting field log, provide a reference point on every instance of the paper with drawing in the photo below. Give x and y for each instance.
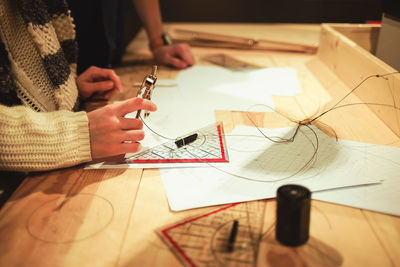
(260, 167)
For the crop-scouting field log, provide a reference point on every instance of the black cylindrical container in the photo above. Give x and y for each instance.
(293, 214)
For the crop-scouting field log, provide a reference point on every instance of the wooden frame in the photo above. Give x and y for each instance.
(206, 39)
(348, 51)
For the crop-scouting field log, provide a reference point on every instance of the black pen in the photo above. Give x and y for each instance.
(232, 236)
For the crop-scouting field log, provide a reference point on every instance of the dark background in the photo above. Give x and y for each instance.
(285, 11)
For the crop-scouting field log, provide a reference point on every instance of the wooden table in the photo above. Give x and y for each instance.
(77, 217)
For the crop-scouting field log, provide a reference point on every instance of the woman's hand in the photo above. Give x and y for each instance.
(98, 83)
(109, 129)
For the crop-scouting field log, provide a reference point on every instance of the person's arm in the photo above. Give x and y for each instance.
(150, 15)
(36, 141)
(177, 55)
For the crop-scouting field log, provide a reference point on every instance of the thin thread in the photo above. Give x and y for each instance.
(355, 88)
(276, 139)
(160, 135)
(308, 163)
(303, 123)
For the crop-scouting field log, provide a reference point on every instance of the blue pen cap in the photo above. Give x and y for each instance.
(293, 214)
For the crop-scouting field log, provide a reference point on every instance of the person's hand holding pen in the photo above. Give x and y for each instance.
(110, 130)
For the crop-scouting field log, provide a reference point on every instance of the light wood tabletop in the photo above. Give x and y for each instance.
(77, 217)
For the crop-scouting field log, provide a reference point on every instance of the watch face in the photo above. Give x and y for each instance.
(166, 39)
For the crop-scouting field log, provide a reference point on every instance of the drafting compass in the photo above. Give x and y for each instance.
(146, 89)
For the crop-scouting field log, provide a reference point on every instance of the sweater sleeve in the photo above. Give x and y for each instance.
(35, 141)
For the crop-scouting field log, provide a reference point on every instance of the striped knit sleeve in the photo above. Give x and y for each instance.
(34, 141)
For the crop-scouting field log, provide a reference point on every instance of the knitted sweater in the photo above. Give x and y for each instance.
(39, 129)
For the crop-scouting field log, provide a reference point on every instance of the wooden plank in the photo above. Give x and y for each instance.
(142, 247)
(68, 217)
(199, 38)
(327, 245)
(61, 218)
(305, 34)
(387, 230)
(351, 122)
(353, 64)
(364, 35)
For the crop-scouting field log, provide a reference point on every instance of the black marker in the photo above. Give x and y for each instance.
(185, 141)
(232, 236)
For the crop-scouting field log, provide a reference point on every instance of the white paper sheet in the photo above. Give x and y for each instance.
(199, 91)
(337, 165)
(383, 197)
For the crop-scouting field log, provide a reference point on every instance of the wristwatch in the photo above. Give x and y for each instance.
(164, 40)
